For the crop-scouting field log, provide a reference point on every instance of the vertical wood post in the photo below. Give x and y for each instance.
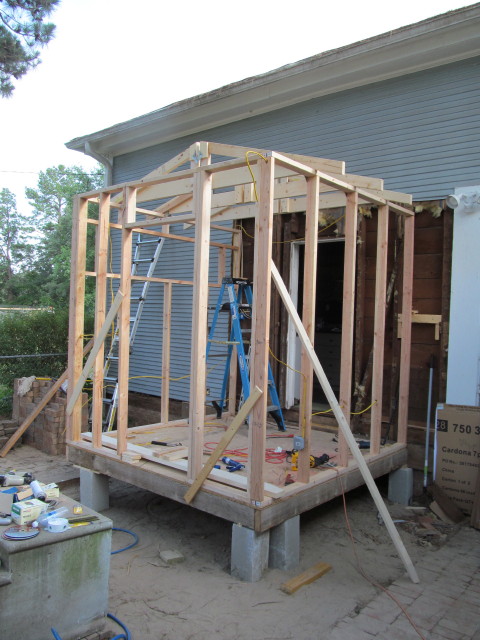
(348, 318)
(379, 328)
(101, 268)
(261, 328)
(167, 321)
(202, 195)
(77, 312)
(308, 319)
(406, 335)
(128, 213)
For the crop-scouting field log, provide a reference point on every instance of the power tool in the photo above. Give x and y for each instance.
(314, 460)
(12, 479)
(232, 465)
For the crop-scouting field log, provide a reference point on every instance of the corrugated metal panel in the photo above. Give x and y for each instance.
(420, 133)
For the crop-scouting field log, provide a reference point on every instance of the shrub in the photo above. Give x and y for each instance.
(34, 333)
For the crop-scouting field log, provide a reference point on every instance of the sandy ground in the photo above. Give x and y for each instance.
(198, 598)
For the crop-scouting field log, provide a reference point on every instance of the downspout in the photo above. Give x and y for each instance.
(105, 160)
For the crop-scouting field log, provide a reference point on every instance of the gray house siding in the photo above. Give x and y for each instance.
(420, 133)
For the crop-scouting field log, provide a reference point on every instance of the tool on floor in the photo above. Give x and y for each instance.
(167, 444)
(240, 306)
(12, 479)
(232, 465)
(314, 460)
(142, 256)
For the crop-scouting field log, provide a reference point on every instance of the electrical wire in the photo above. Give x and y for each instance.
(239, 226)
(352, 413)
(129, 546)
(251, 172)
(361, 570)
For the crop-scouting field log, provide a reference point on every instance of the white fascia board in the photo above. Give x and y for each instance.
(431, 43)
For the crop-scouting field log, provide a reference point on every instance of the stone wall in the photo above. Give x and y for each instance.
(48, 431)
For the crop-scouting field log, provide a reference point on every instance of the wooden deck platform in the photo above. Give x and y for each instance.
(163, 470)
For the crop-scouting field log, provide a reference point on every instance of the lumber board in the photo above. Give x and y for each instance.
(77, 308)
(40, 406)
(348, 316)
(307, 577)
(224, 442)
(202, 201)
(343, 425)
(308, 317)
(406, 336)
(261, 329)
(97, 344)
(101, 267)
(166, 331)
(322, 164)
(379, 328)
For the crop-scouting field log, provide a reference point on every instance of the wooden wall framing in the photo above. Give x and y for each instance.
(207, 194)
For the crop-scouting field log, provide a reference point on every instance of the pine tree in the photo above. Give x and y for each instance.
(23, 31)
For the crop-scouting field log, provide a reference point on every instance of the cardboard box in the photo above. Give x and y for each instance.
(27, 510)
(457, 452)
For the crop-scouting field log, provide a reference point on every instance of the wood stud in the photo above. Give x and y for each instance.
(285, 182)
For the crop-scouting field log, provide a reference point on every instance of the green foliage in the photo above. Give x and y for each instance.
(34, 333)
(23, 31)
(15, 250)
(52, 203)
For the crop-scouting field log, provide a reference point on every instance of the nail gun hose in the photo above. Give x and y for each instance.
(135, 541)
(122, 636)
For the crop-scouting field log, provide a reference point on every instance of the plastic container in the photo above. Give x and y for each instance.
(37, 490)
(42, 521)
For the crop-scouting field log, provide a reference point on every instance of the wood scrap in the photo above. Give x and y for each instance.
(440, 513)
(307, 577)
(446, 504)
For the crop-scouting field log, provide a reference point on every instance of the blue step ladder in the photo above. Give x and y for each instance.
(239, 306)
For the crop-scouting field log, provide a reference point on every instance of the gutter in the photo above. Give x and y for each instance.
(103, 159)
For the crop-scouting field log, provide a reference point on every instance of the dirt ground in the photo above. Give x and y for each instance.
(198, 598)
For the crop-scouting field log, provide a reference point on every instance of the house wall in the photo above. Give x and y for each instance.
(420, 133)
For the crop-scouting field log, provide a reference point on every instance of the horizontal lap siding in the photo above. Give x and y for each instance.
(420, 133)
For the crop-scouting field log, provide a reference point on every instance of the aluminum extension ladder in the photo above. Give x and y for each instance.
(239, 306)
(110, 396)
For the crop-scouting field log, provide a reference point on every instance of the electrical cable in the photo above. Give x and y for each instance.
(361, 570)
(134, 535)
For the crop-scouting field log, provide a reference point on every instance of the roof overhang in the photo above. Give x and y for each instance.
(440, 40)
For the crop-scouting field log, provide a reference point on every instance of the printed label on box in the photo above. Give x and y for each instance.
(457, 452)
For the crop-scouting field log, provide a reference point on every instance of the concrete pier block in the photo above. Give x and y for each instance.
(400, 486)
(94, 490)
(249, 552)
(285, 545)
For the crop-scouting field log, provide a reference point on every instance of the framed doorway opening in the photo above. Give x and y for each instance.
(328, 317)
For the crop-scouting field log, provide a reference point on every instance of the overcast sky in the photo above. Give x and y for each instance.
(113, 60)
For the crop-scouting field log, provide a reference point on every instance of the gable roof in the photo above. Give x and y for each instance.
(437, 41)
